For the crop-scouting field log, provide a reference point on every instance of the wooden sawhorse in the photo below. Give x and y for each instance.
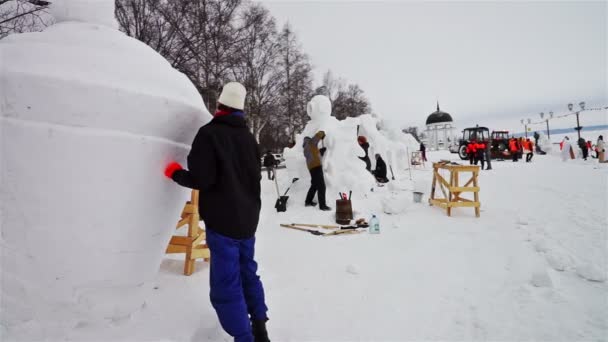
(452, 191)
(192, 244)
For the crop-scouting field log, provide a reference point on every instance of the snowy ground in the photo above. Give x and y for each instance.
(516, 273)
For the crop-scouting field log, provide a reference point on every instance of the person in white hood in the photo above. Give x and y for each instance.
(566, 149)
(601, 149)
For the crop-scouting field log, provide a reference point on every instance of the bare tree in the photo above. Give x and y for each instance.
(296, 85)
(257, 55)
(350, 102)
(18, 16)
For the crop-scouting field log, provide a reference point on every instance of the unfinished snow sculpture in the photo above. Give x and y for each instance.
(88, 119)
(343, 170)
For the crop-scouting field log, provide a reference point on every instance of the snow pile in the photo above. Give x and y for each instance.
(591, 272)
(88, 119)
(343, 169)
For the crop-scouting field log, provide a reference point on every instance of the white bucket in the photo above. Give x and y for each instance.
(417, 196)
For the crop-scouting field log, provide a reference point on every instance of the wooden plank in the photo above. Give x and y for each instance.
(171, 249)
(182, 222)
(464, 168)
(194, 198)
(464, 204)
(200, 238)
(188, 265)
(459, 189)
(189, 209)
(202, 252)
(449, 209)
(326, 226)
(434, 183)
(476, 195)
(441, 204)
(441, 184)
(182, 240)
(466, 185)
(463, 199)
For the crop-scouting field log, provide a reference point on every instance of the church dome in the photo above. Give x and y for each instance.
(438, 117)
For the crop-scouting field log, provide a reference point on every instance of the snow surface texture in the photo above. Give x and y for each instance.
(89, 118)
(425, 277)
(343, 171)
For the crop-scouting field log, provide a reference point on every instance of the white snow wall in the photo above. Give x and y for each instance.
(88, 120)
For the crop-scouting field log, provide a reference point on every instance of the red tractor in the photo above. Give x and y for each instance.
(499, 144)
(498, 140)
(472, 133)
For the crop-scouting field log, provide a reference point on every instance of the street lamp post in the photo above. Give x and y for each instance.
(526, 123)
(578, 125)
(550, 116)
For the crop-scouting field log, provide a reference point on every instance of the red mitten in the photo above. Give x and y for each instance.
(171, 168)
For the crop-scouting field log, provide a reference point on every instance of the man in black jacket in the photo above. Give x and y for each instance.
(270, 163)
(224, 164)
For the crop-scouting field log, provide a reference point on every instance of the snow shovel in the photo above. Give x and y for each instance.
(281, 204)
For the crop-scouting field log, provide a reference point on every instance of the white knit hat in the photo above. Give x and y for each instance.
(233, 95)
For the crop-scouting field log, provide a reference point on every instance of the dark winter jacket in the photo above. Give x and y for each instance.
(380, 171)
(224, 164)
(269, 160)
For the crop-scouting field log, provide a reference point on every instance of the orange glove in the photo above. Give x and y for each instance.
(171, 168)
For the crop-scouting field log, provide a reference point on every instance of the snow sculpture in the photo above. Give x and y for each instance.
(343, 169)
(88, 119)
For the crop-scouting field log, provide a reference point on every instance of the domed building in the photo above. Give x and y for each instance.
(440, 130)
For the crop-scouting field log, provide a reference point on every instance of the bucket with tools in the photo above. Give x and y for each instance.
(344, 209)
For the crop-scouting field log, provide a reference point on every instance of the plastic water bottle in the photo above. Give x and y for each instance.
(374, 225)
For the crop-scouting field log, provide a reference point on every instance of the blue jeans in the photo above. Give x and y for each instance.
(236, 291)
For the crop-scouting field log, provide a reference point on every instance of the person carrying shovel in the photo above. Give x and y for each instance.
(224, 164)
(313, 161)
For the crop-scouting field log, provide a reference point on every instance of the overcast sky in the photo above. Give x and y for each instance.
(491, 63)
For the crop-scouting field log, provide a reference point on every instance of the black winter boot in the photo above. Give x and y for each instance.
(260, 334)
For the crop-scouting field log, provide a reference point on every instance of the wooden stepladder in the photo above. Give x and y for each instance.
(451, 190)
(192, 244)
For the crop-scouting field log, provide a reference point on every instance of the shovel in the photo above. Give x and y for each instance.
(281, 204)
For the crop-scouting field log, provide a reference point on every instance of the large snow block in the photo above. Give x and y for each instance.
(89, 118)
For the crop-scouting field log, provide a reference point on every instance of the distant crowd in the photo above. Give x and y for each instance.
(585, 148)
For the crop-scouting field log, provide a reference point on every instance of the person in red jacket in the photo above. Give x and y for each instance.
(513, 148)
(529, 150)
(480, 148)
(471, 150)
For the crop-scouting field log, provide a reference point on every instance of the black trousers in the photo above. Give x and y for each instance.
(479, 158)
(514, 156)
(270, 170)
(585, 153)
(317, 184)
(471, 158)
(529, 157)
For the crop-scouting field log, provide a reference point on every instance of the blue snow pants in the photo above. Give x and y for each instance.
(236, 291)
